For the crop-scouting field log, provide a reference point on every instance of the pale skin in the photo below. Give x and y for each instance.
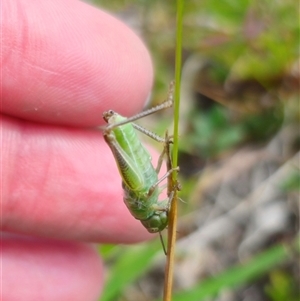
(64, 63)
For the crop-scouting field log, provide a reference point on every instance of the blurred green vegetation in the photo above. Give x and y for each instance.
(292, 182)
(240, 88)
(282, 286)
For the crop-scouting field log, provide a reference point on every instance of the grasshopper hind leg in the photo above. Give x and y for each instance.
(170, 169)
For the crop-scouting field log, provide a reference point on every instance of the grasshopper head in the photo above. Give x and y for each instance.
(107, 115)
(157, 222)
(112, 117)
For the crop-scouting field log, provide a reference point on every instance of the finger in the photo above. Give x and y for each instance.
(35, 269)
(65, 62)
(63, 183)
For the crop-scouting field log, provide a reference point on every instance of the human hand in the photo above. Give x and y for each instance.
(63, 64)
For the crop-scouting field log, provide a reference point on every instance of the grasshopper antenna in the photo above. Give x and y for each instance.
(162, 243)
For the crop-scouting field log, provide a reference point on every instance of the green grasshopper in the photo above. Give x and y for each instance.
(140, 180)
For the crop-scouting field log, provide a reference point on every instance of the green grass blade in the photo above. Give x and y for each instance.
(172, 226)
(133, 262)
(178, 59)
